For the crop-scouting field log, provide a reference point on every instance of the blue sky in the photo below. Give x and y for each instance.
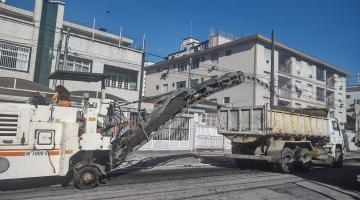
(326, 29)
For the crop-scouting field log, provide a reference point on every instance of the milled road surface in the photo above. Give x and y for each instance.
(218, 180)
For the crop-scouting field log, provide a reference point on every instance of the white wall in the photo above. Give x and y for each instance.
(102, 54)
(21, 32)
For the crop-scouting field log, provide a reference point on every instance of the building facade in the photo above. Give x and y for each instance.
(300, 80)
(32, 46)
(352, 95)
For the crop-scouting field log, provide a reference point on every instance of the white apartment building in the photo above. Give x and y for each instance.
(29, 43)
(352, 95)
(300, 79)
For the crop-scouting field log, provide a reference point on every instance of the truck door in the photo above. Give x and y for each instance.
(336, 135)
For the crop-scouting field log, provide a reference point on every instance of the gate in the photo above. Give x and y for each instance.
(173, 136)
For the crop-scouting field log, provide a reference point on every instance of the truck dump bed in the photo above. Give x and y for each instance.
(278, 121)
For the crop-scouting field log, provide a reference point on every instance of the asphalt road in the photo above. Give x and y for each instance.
(216, 179)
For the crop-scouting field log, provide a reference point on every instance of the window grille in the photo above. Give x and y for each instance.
(76, 64)
(14, 57)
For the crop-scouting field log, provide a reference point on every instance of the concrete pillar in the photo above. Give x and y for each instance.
(51, 20)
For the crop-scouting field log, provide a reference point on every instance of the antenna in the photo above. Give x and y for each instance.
(190, 28)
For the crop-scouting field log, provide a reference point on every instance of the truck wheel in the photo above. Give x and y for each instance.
(287, 159)
(86, 177)
(303, 159)
(338, 160)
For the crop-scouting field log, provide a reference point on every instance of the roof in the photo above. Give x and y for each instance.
(253, 38)
(78, 76)
(105, 36)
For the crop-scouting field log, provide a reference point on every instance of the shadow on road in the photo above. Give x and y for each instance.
(28, 183)
(345, 177)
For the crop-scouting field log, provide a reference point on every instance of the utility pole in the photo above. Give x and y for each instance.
(142, 73)
(93, 29)
(120, 37)
(66, 51)
(58, 54)
(272, 78)
(189, 70)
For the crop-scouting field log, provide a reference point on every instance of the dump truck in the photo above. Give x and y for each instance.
(85, 141)
(289, 138)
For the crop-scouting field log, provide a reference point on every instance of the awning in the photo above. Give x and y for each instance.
(78, 76)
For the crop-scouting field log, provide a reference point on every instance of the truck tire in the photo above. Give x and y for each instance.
(86, 177)
(339, 158)
(303, 159)
(287, 159)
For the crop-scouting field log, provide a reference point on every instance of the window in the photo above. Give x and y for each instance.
(284, 86)
(157, 87)
(214, 59)
(194, 82)
(181, 67)
(202, 59)
(44, 139)
(228, 52)
(310, 70)
(121, 78)
(209, 120)
(195, 63)
(165, 88)
(202, 80)
(320, 73)
(14, 57)
(335, 126)
(226, 99)
(320, 94)
(284, 63)
(348, 96)
(75, 64)
(181, 84)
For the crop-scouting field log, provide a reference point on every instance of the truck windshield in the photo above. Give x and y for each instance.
(335, 126)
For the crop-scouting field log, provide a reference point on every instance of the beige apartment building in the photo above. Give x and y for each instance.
(300, 80)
